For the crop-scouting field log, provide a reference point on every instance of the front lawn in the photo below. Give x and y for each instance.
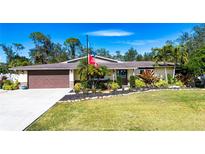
(156, 110)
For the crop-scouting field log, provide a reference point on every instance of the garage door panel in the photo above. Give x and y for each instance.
(48, 79)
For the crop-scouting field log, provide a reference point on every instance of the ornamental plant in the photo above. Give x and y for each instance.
(179, 83)
(119, 81)
(132, 81)
(114, 86)
(10, 85)
(161, 84)
(139, 83)
(148, 77)
(77, 87)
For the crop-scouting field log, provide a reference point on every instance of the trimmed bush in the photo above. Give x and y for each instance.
(132, 81)
(10, 85)
(2, 79)
(161, 84)
(114, 86)
(171, 80)
(119, 81)
(139, 83)
(77, 87)
(101, 85)
(15, 85)
(179, 83)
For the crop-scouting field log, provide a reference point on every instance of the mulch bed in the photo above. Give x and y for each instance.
(86, 96)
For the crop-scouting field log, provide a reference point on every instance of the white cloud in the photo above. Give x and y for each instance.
(110, 33)
(139, 42)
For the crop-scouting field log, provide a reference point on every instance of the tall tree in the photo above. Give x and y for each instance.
(184, 55)
(18, 47)
(148, 56)
(13, 57)
(103, 52)
(175, 53)
(163, 54)
(19, 61)
(139, 57)
(72, 44)
(130, 55)
(118, 56)
(58, 54)
(8, 50)
(197, 62)
(43, 47)
(3, 68)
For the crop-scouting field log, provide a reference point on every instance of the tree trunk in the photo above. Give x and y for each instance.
(165, 71)
(174, 71)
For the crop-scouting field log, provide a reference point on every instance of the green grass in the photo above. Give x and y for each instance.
(157, 110)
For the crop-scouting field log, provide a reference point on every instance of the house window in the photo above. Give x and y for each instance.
(141, 71)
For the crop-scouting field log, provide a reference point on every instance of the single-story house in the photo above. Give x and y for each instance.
(65, 74)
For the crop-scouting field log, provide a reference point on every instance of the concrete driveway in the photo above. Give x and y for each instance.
(20, 108)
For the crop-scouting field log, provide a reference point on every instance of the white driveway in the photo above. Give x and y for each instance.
(20, 108)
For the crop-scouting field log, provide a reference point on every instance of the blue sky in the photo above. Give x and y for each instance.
(110, 36)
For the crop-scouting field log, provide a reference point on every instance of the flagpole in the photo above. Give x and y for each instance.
(87, 58)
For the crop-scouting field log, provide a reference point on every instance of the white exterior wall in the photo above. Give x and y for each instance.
(20, 76)
(159, 72)
(130, 73)
(71, 78)
(76, 75)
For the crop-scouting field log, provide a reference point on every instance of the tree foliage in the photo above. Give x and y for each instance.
(43, 46)
(19, 61)
(46, 51)
(13, 57)
(3, 68)
(131, 55)
(91, 72)
(8, 51)
(197, 62)
(72, 45)
(103, 52)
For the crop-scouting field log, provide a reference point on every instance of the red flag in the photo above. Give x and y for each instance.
(91, 60)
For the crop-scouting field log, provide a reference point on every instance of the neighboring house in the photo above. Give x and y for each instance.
(65, 74)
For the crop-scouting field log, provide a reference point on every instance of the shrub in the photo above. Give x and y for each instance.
(101, 85)
(148, 77)
(161, 84)
(114, 86)
(77, 87)
(179, 83)
(15, 85)
(186, 79)
(171, 80)
(10, 85)
(119, 81)
(139, 83)
(132, 81)
(2, 79)
(84, 86)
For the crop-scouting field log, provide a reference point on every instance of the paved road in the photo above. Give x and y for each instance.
(20, 108)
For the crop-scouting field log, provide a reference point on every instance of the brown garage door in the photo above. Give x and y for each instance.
(48, 79)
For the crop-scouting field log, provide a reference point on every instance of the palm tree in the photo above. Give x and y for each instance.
(184, 55)
(71, 44)
(163, 54)
(175, 57)
(82, 69)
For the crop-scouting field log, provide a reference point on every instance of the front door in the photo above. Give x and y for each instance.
(123, 75)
